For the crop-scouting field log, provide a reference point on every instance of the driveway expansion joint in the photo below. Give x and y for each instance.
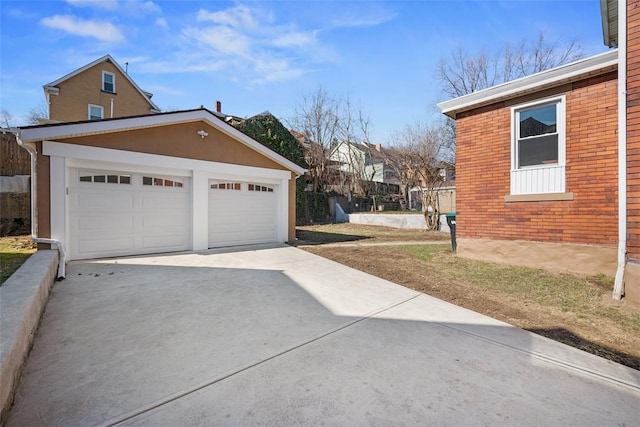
(176, 396)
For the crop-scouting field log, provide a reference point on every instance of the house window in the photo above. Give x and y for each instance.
(108, 82)
(538, 147)
(226, 186)
(96, 112)
(263, 188)
(157, 181)
(104, 178)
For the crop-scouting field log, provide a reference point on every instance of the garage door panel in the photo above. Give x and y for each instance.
(164, 223)
(118, 224)
(109, 219)
(166, 201)
(238, 217)
(166, 242)
(105, 245)
(93, 201)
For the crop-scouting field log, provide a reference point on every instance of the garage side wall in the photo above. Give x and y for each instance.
(181, 141)
(484, 164)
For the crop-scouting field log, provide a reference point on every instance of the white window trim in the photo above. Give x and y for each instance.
(100, 107)
(556, 171)
(105, 73)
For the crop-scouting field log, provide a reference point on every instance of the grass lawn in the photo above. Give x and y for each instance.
(575, 310)
(14, 251)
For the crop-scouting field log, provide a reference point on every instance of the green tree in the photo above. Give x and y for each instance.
(270, 132)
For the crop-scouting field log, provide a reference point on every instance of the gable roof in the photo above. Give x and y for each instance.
(53, 89)
(568, 73)
(120, 124)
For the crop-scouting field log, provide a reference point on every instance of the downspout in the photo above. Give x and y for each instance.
(618, 286)
(34, 209)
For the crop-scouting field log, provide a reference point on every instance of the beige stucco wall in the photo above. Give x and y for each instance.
(557, 257)
(76, 93)
(177, 141)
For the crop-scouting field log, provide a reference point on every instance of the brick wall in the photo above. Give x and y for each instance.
(633, 129)
(484, 164)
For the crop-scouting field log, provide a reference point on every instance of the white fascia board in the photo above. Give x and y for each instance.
(593, 65)
(85, 156)
(96, 127)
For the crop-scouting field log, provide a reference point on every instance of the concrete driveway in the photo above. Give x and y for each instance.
(275, 336)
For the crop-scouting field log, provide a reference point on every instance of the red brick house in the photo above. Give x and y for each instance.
(548, 166)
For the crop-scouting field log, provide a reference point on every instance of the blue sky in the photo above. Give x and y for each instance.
(258, 55)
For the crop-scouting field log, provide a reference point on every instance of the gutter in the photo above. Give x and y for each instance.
(618, 286)
(34, 209)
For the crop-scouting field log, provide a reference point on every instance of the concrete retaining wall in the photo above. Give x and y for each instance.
(22, 300)
(408, 221)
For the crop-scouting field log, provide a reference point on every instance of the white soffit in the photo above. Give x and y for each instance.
(96, 127)
(593, 65)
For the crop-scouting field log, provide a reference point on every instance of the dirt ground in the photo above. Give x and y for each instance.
(380, 253)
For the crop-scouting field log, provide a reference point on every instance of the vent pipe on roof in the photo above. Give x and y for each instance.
(218, 107)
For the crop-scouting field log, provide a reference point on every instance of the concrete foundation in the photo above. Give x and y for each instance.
(408, 221)
(558, 257)
(632, 284)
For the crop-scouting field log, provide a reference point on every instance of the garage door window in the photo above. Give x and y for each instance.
(105, 179)
(156, 181)
(256, 187)
(226, 186)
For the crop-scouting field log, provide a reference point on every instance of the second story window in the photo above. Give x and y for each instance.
(108, 82)
(95, 112)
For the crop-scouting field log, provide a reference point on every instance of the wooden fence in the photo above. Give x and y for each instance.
(14, 160)
(15, 207)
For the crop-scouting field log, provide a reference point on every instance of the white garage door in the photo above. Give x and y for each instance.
(241, 213)
(120, 213)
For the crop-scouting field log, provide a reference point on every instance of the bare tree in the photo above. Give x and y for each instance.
(317, 119)
(462, 73)
(355, 151)
(6, 118)
(36, 114)
(417, 156)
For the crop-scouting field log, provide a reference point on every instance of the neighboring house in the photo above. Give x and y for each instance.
(365, 162)
(548, 166)
(183, 180)
(99, 90)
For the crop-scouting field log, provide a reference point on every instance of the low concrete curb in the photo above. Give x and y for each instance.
(22, 300)
(406, 221)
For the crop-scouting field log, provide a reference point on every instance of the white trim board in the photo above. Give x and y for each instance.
(180, 166)
(591, 66)
(59, 131)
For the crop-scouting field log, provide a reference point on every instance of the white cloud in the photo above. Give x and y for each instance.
(253, 46)
(100, 4)
(295, 39)
(238, 17)
(128, 6)
(222, 39)
(272, 70)
(146, 7)
(104, 31)
(161, 22)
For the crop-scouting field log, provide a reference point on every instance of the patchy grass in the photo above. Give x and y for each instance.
(580, 296)
(14, 251)
(345, 232)
(572, 309)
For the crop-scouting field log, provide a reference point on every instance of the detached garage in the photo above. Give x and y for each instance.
(166, 182)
